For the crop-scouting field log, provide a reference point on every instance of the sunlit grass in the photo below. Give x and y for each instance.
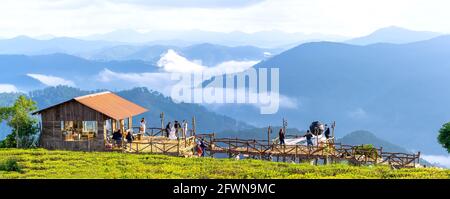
(41, 163)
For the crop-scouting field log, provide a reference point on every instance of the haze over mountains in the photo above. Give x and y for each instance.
(264, 39)
(392, 81)
(396, 90)
(394, 35)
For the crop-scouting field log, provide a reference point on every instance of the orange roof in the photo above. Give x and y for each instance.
(110, 104)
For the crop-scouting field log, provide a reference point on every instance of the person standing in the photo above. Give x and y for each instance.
(327, 131)
(142, 128)
(177, 127)
(168, 129)
(309, 136)
(130, 138)
(117, 137)
(281, 136)
(203, 147)
(199, 148)
(172, 134)
(185, 128)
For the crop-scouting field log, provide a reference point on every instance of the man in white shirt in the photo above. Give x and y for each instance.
(185, 128)
(142, 127)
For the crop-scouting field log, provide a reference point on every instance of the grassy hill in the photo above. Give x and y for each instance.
(40, 163)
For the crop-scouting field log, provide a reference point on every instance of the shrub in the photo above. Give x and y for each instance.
(367, 149)
(10, 164)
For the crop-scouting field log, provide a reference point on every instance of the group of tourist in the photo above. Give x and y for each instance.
(173, 130)
(309, 135)
(118, 136)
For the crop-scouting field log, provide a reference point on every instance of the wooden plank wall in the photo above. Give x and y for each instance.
(51, 135)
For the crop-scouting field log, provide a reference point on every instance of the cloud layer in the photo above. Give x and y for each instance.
(172, 63)
(345, 17)
(50, 80)
(191, 3)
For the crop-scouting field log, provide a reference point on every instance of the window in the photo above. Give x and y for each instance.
(79, 130)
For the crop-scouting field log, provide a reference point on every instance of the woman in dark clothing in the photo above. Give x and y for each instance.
(327, 132)
(117, 137)
(203, 147)
(308, 136)
(281, 136)
(168, 129)
(130, 138)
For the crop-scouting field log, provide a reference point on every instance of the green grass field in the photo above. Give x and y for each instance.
(40, 163)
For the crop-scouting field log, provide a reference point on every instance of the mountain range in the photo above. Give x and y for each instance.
(263, 39)
(210, 54)
(397, 90)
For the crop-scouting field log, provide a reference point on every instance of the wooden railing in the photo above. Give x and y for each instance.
(178, 147)
(151, 131)
(328, 149)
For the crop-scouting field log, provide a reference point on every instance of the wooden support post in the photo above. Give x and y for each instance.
(269, 131)
(317, 137)
(161, 116)
(211, 145)
(113, 125)
(193, 126)
(151, 145)
(130, 123)
(178, 147)
(296, 151)
(418, 158)
(332, 129)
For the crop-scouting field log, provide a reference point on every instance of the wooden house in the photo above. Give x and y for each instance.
(85, 123)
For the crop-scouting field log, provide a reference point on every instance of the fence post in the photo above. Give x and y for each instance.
(178, 147)
(151, 145)
(418, 158)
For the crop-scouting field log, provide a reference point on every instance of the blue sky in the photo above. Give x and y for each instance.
(344, 17)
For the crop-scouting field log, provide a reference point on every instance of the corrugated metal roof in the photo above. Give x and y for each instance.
(109, 104)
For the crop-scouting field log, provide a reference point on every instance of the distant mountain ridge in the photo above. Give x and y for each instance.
(209, 54)
(263, 39)
(29, 46)
(394, 35)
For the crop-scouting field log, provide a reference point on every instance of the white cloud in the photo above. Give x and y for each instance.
(50, 80)
(8, 88)
(231, 67)
(438, 159)
(173, 63)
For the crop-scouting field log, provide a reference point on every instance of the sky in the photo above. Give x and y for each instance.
(349, 18)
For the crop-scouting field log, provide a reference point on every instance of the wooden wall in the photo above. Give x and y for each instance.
(51, 134)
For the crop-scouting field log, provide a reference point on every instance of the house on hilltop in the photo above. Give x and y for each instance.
(84, 123)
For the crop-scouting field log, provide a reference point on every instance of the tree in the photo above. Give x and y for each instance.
(444, 136)
(24, 126)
